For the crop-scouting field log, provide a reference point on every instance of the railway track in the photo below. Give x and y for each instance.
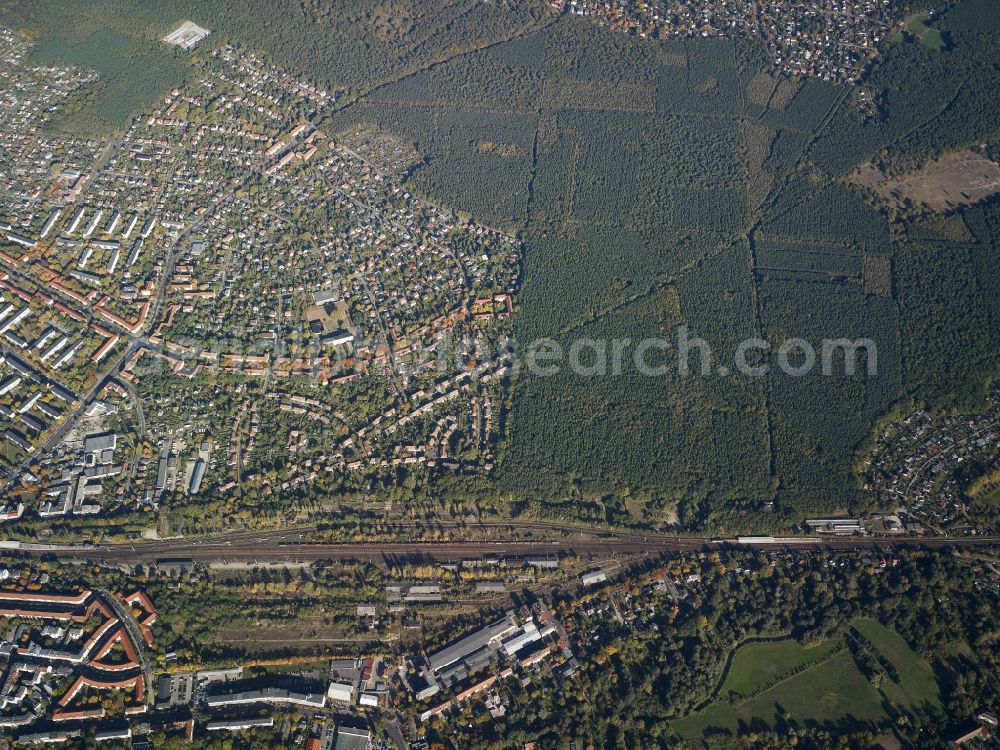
(287, 546)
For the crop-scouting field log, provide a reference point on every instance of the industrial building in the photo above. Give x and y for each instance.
(267, 695)
(529, 634)
(836, 525)
(482, 638)
(349, 738)
(338, 691)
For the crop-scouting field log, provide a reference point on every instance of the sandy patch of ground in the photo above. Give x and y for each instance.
(958, 179)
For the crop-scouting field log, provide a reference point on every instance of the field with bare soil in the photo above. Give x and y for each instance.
(961, 178)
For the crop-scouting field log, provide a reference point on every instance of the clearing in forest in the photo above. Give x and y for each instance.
(961, 178)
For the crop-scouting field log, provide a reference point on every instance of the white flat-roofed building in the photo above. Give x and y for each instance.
(76, 221)
(92, 224)
(130, 226)
(529, 634)
(54, 349)
(50, 222)
(267, 695)
(593, 578)
(338, 691)
(110, 228)
(116, 733)
(337, 338)
(324, 296)
(12, 382)
(236, 725)
(186, 36)
(20, 239)
(16, 320)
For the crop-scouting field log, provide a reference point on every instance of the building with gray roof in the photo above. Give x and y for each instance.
(349, 738)
(466, 647)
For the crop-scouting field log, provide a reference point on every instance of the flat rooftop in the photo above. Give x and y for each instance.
(187, 35)
(472, 643)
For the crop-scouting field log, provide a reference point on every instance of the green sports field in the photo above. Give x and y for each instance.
(833, 691)
(783, 681)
